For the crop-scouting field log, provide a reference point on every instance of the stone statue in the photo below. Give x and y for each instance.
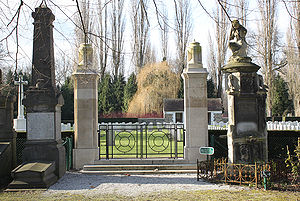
(231, 83)
(237, 41)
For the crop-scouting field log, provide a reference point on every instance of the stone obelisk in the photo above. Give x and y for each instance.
(247, 133)
(43, 101)
(195, 104)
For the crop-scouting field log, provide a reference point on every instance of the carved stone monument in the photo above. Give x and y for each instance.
(85, 77)
(7, 135)
(195, 104)
(247, 134)
(20, 122)
(43, 107)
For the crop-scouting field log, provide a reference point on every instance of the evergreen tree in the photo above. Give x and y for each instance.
(181, 89)
(211, 89)
(67, 90)
(129, 91)
(105, 95)
(281, 102)
(118, 85)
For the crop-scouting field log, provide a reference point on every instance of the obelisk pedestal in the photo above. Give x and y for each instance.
(195, 104)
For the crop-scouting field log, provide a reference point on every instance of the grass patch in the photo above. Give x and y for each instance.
(173, 195)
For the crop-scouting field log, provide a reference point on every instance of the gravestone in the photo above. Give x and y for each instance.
(86, 149)
(20, 122)
(247, 133)
(7, 135)
(42, 101)
(195, 104)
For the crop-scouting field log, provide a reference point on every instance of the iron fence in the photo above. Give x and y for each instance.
(222, 171)
(141, 140)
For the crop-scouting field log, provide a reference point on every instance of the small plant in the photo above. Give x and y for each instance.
(293, 162)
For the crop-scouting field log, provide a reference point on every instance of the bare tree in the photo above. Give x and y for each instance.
(241, 10)
(164, 32)
(183, 29)
(212, 60)
(117, 31)
(291, 71)
(267, 44)
(102, 41)
(221, 35)
(140, 29)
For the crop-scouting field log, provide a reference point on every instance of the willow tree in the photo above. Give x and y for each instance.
(155, 83)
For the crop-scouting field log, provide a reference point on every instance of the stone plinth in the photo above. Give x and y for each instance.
(86, 149)
(33, 175)
(247, 133)
(44, 128)
(195, 104)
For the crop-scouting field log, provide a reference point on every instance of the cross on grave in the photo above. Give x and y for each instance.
(20, 84)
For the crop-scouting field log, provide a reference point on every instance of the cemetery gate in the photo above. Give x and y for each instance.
(141, 140)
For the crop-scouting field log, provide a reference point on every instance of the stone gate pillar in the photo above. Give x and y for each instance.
(195, 104)
(86, 149)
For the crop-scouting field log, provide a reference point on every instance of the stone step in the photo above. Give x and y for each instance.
(141, 161)
(150, 167)
(139, 172)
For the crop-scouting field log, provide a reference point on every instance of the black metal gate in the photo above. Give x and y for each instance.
(141, 140)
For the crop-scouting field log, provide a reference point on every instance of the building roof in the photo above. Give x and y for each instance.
(171, 105)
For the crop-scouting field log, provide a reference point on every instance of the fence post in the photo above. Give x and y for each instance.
(107, 140)
(197, 170)
(225, 172)
(256, 175)
(175, 136)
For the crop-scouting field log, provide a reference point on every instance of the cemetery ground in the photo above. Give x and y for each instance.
(77, 186)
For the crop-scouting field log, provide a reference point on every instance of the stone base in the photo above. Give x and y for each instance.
(20, 125)
(191, 154)
(33, 175)
(83, 157)
(46, 150)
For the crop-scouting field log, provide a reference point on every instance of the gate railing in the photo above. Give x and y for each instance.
(141, 140)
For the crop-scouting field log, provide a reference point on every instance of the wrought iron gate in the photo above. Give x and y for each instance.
(141, 140)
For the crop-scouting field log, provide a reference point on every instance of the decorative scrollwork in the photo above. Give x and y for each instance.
(158, 141)
(124, 141)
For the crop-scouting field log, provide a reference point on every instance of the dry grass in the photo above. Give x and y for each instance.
(174, 195)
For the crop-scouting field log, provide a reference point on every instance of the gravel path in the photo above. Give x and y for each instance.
(134, 185)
